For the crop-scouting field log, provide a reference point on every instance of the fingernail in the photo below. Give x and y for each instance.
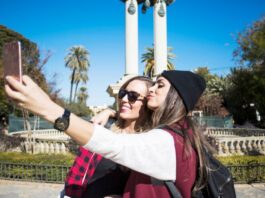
(7, 77)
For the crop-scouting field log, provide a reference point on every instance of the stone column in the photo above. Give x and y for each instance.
(131, 47)
(220, 148)
(160, 37)
(131, 37)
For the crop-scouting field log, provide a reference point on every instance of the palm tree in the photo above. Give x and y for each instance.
(82, 95)
(80, 76)
(148, 58)
(76, 59)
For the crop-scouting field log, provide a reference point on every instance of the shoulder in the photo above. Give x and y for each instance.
(158, 136)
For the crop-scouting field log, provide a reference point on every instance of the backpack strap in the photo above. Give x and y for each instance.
(179, 132)
(173, 190)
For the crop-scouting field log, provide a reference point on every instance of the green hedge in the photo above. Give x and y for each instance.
(54, 167)
(33, 172)
(246, 169)
(38, 167)
(51, 159)
(60, 159)
(242, 160)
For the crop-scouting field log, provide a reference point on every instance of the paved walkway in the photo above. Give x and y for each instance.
(19, 189)
(15, 189)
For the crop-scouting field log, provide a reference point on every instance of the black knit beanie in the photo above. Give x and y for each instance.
(189, 86)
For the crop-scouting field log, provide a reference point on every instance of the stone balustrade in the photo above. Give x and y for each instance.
(45, 146)
(44, 141)
(44, 134)
(216, 132)
(226, 146)
(235, 141)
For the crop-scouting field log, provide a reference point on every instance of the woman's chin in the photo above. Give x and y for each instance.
(124, 115)
(151, 106)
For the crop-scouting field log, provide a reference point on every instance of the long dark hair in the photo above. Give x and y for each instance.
(173, 111)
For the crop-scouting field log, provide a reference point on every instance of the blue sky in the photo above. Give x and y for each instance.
(201, 32)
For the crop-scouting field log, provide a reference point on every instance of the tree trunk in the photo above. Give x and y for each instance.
(77, 83)
(72, 83)
(30, 141)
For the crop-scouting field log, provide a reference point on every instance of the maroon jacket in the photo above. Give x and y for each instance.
(142, 186)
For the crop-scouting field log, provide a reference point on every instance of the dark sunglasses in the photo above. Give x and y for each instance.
(132, 95)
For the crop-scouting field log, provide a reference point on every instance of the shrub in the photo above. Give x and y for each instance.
(242, 160)
(51, 159)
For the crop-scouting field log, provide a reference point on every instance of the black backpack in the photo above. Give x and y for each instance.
(219, 184)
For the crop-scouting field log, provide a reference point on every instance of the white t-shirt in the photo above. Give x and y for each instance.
(151, 153)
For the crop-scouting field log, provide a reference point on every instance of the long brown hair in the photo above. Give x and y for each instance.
(144, 122)
(173, 111)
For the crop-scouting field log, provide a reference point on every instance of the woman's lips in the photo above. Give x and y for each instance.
(125, 108)
(148, 97)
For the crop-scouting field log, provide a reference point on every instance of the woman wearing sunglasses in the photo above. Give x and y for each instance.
(157, 154)
(106, 177)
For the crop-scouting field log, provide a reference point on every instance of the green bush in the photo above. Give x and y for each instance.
(38, 167)
(246, 169)
(242, 160)
(29, 172)
(51, 159)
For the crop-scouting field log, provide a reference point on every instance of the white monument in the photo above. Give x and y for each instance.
(131, 39)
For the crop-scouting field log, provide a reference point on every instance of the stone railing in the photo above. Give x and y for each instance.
(237, 141)
(43, 141)
(43, 134)
(226, 141)
(215, 132)
(45, 146)
(226, 146)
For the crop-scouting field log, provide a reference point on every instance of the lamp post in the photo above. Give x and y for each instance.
(258, 118)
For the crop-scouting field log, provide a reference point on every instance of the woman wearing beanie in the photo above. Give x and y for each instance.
(159, 154)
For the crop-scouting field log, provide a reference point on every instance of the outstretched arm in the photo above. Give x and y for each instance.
(31, 97)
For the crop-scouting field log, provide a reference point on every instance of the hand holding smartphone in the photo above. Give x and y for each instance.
(12, 60)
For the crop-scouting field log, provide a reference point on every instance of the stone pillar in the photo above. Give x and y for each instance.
(226, 148)
(57, 148)
(220, 148)
(160, 37)
(131, 48)
(243, 147)
(247, 146)
(46, 147)
(63, 149)
(258, 142)
(42, 149)
(51, 147)
(262, 145)
(131, 37)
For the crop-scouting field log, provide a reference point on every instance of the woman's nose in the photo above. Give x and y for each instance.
(151, 89)
(125, 98)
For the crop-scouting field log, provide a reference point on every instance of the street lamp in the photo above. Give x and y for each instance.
(258, 118)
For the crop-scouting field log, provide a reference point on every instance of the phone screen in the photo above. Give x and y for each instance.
(12, 60)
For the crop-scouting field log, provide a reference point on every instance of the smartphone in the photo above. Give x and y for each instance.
(12, 60)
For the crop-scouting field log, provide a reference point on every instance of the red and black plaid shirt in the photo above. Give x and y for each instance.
(81, 172)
